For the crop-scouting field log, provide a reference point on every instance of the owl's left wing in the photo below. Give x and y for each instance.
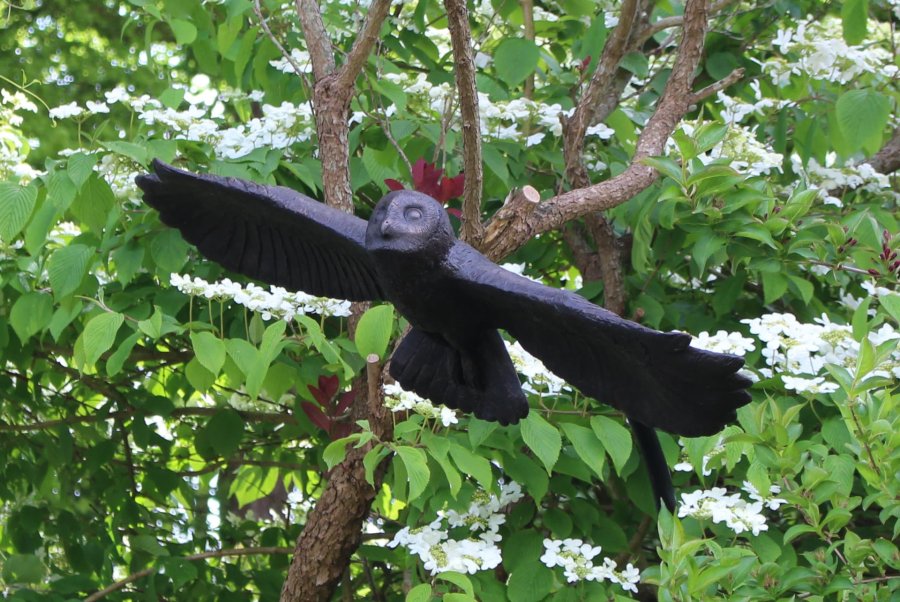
(270, 233)
(655, 378)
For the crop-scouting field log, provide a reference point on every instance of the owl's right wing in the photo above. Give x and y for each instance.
(270, 233)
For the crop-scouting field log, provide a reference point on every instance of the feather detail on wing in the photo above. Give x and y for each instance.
(270, 233)
(655, 378)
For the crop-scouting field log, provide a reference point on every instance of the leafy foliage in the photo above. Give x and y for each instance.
(149, 417)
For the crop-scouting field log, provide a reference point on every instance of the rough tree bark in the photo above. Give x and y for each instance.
(464, 61)
(334, 528)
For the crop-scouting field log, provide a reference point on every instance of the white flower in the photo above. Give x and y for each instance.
(601, 130)
(720, 507)
(534, 139)
(482, 60)
(724, 342)
(808, 385)
(65, 111)
(96, 107)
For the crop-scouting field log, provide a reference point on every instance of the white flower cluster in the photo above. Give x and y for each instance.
(279, 127)
(740, 146)
(500, 120)
(738, 514)
(275, 303)
(397, 399)
(440, 552)
(14, 146)
(830, 177)
(735, 110)
(800, 351)
(817, 49)
(577, 560)
(724, 342)
(119, 172)
(538, 379)
(299, 57)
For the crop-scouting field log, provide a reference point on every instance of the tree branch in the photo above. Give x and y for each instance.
(318, 44)
(333, 530)
(461, 38)
(671, 108)
(362, 46)
(887, 160)
(601, 82)
(201, 556)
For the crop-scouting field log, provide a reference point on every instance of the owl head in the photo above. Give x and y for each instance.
(409, 222)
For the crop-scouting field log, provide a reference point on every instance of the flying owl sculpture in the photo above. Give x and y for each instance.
(455, 299)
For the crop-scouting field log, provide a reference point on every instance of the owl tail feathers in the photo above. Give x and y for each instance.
(657, 467)
(480, 380)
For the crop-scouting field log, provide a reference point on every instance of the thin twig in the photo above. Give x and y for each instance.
(201, 556)
(257, 9)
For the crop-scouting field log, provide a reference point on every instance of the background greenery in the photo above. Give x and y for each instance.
(140, 426)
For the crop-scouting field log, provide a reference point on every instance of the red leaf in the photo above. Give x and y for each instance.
(418, 170)
(339, 430)
(344, 401)
(329, 385)
(584, 64)
(455, 213)
(315, 415)
(393, 184)
(452, 188)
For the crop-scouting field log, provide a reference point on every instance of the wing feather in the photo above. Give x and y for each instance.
(655, 378)
(270, 233)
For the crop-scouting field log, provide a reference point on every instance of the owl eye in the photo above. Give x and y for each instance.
(412, 214)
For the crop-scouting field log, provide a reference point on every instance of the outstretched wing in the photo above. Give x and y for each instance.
(270, 233)
(655, 378)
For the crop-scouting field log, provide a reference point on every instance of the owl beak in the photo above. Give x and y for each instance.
(387, 228)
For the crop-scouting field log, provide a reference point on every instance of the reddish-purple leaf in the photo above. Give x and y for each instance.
(344, 401)
(329, 385)
(393, 184)
(316, 416)
(339, 430)
(584, 64)
(455, 212)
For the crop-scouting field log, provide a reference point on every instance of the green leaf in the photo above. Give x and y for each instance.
(473, 464)
(336, 451)
(774, 286)
(66, 268)
(891, 304)
(373, 333)
(420, 593)
(854, 20)
(116, 360)
(100, 334)
(271, 345)
(862, 115)
(665, 166)
(543, 439)
(169, 250)
(704, 249)
(224, 432)
(23, 568)
(152, 326)
(128, 259)
(586, 445)
(459, 580)
(515, 59)
(530, 582)
(61, 190)
(210, 350)
(416, 463)
(615, 439)
(149, 544)
(708, 135)
(80, 167)
(180, 571)
(94, 203)
(185, 31)
(16, 204)
(30, 314)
